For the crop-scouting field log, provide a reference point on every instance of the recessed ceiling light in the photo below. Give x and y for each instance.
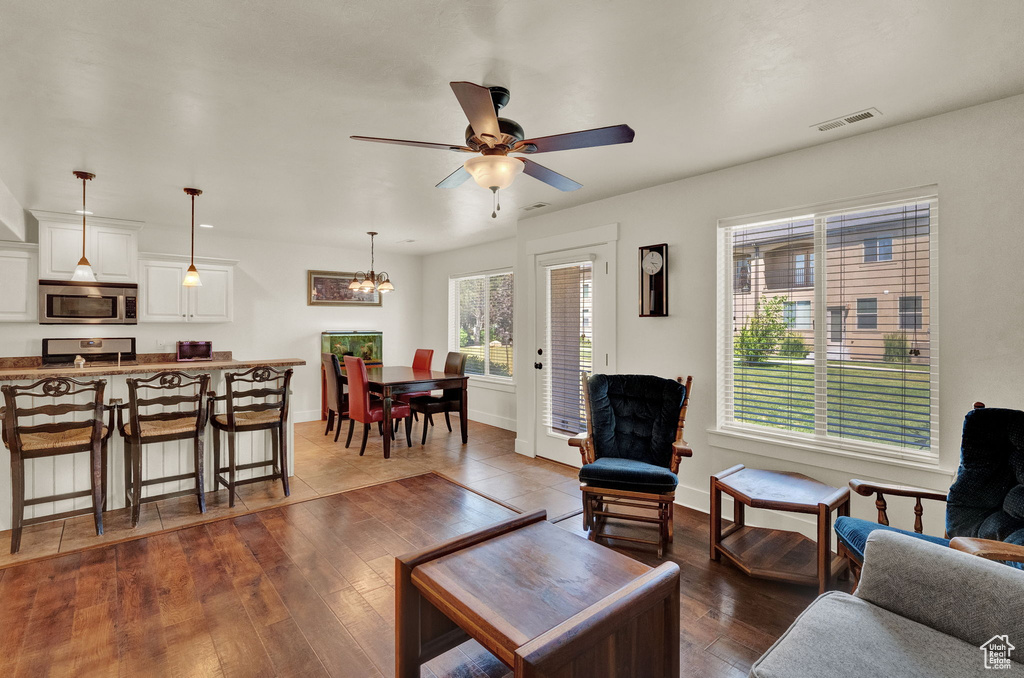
(85, 212)
(205, 225)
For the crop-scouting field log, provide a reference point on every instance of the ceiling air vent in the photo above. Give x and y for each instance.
(847, 120)
(536, 206)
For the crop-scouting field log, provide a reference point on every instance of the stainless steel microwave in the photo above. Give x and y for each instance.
(63, 302)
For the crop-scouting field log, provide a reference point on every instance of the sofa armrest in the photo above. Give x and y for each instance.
(989, 549)
(961, 595)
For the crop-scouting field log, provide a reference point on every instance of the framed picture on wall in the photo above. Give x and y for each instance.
(330, 288)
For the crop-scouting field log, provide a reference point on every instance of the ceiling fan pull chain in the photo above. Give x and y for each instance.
(497, 206)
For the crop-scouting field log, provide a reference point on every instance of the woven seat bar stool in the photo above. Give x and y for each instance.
(56, 438)
(269, 388)
(183, 418)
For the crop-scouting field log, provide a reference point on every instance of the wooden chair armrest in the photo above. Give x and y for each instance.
(866, 489)
(989, 549)
(680, 449)
(585, 445)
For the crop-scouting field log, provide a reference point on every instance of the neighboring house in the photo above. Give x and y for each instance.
(876, 281)
(997, 652)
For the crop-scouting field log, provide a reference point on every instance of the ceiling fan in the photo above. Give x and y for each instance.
(494, 138)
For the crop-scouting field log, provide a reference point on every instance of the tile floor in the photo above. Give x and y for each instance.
(487, 464)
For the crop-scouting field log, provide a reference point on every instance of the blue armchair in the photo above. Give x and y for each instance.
(984, 504)
(631, 450)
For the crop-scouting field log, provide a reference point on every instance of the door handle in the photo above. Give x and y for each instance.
(538, 366)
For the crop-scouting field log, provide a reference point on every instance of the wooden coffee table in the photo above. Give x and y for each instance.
(777, 554)
(542, 600)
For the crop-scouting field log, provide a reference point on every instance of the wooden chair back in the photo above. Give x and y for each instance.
(263, 384)
(423, 359)
(332, 373)
(455, 363)
(358, 389)
(165, 390)
(19, 403)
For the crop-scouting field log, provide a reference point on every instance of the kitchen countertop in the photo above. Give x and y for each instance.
(37, 372)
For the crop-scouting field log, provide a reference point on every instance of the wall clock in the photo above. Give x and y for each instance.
(654, 281)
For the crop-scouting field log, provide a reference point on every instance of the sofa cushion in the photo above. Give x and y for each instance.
(956, 593)
(635, 416)
(840, 635)
(853, 533)
(627, 474)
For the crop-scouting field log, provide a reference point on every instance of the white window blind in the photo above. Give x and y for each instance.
(480, 311)
(834, 337)
(569, 343)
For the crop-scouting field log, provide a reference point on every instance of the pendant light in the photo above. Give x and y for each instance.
(192, 276)
(83, 272)
(369, 281)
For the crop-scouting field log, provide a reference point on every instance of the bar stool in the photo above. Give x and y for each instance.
(158, 427)
(53, 439)
(267, 415)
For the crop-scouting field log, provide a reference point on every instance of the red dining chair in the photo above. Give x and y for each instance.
(362, 409)
(421, 361)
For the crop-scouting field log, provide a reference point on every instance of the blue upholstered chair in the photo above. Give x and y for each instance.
(631, 450)
(985, 505)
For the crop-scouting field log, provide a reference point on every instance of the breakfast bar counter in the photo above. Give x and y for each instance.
(49, 475)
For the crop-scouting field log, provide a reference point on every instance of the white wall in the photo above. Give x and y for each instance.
(976, 156)
(272, 319)
(489, 402)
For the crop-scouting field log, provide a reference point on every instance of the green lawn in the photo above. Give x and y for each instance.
(880, 403)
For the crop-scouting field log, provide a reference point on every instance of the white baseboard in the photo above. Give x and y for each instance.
(506, 423)
(525, 447)
(299, 417)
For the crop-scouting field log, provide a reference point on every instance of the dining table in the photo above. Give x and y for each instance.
(389, 381)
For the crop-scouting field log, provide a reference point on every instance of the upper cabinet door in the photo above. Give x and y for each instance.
(214, 301)
(116, 258)
(60, 248)
(162, 298)
(19, 301)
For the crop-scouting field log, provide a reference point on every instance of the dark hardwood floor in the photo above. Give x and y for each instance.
(308, 590)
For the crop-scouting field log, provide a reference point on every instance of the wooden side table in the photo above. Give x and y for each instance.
(543, 601)
(777, 554)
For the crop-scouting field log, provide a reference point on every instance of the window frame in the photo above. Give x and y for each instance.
(792, 317)
(876, 248)
(454, 313)
(736, 435)
(864, 315)
(916, 313)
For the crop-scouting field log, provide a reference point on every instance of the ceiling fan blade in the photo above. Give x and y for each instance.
(478, 106)
(456, 178)
(602, 136)
(548, 176)
(421, 144)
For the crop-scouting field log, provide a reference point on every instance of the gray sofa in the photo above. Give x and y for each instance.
(920, 610)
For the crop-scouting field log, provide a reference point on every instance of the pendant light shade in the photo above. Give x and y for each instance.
(83, 271)
(192, 275)
(369, 281)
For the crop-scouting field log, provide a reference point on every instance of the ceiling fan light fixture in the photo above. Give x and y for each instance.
(494, 171)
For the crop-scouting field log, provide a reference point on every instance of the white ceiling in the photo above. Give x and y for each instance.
(254, 100)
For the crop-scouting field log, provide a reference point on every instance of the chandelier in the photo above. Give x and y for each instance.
(369, 281)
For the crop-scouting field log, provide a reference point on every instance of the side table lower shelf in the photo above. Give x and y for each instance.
(775, 554)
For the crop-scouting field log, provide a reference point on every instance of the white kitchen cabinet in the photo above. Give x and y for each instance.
(111, 246)
(19, 270)
(164, 299)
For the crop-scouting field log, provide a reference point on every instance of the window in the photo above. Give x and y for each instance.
(872, 391)
(911, 313)
(798, 315)
(867, 314)
(480, 322)
(789, 266)
(877, 249)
